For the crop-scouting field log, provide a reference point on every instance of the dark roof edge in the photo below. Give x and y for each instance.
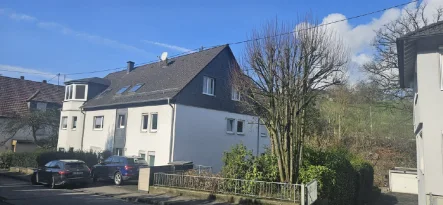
(421, 29)
(161, 101)
(401, 63)
(225, 46)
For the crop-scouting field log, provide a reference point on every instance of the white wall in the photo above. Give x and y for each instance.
(430, 105)
(102, 139)
(201, 137)
(158, 142)
(68, 137)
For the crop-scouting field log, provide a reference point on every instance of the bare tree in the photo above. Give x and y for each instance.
(280, 78)
(383, 70)
(34, 123)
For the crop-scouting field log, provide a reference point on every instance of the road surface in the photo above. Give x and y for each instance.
(15, 192)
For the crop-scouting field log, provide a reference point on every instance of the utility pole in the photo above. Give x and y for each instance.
(58, 78)
(258, 135)
(339, 128)
(370, 117)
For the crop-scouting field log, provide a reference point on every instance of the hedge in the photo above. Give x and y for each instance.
(40, 158)
(365, 180)
(324, 176)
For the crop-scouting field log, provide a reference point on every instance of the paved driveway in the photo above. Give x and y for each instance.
(397, 199)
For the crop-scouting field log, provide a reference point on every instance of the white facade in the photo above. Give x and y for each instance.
(102, 138)
(71, 136)
(428, 110)
(201, 135)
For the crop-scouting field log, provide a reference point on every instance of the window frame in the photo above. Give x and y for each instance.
(206, 84)
(235, 95)
(243, 127)
(74, 121)
(62, 125)
(232, 125)
(119, 121)
(73, 92)
(142, 122)
(94, 122)
(132, 88)
(122, 89)
(150, 124)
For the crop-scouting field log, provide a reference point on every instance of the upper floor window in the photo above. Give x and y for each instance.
(230, 125)
(74, 122)
(235, 95)
(121, 121)
(76, 92)
(208, 85)
(98, 122)
(240, 126)
(154, 122)
(145, 118)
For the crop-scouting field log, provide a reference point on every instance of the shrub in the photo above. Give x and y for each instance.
(24, 159)
(237, 162)
(88, 157)
(365, 180)
(324, 176)
(6, 159)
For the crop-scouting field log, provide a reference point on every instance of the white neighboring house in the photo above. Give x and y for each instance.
(180, 109)
(420, 58)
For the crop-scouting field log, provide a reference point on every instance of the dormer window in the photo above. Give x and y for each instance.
(76, 92)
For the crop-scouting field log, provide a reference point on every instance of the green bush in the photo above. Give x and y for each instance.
(324, 176)
(6, 159)
(365, 180)
(24, 159)
(237, 162)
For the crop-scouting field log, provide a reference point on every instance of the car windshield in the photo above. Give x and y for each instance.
(137, 161)
(76, 166)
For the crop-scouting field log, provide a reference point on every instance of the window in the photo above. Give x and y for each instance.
(109, 160)
(136, 87)
(235, 95)
(64, 123)
(121, 121)
(41, 106)
(145, 118)
(76, 92)
(61, 149)
(230, 125)
(98, 122)
(151, 156)
(142, 155)
(118, 152)
(240, 126)
(80, 91)
(208, 85)
(122, 90)
(74, 122)
(154, 119)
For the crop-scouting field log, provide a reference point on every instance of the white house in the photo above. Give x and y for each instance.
(420, 58)
(179, 109)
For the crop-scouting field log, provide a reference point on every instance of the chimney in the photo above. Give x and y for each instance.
(44, 81)
(22, 77)
(130, 66)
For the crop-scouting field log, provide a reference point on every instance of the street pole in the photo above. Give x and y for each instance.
(258, 135)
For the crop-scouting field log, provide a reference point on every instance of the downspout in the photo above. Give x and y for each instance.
(83, 128)
(172, 137)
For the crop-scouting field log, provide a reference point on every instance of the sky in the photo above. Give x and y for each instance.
(46, 37)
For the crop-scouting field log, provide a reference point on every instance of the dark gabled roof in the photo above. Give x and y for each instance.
(160, 81)
(406, 50)
(15, 93)
(95, 80)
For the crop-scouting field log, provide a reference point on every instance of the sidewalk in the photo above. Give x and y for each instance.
(126, 192)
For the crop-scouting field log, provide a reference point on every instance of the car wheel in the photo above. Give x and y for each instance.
(118, 179)
(34, 179)
(52, 185)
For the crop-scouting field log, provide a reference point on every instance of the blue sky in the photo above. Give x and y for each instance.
(47, 37)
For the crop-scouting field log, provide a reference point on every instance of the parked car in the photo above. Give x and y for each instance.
(62, 172)
(119, 169)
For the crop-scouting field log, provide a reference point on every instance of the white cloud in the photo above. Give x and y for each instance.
(68, 31)
(26, 71)
(172, 47)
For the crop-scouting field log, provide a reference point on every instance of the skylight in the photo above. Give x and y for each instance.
(104, 92)
(136, 87)
(122, 90)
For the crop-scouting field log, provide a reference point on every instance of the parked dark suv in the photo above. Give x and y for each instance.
(62, 172)
(119, 169)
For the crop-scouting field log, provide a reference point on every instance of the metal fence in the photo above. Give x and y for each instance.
(259, 189)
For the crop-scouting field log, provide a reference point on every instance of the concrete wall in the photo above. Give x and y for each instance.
(429, 111)
(138, 141)
(201, 137)
(99, 139)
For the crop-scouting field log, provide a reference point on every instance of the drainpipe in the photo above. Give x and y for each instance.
(83, 128)
(172, 138)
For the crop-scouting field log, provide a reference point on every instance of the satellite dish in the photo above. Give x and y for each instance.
(164, 56)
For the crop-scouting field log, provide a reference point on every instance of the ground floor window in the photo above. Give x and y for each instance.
(151, 158)
(118, 151)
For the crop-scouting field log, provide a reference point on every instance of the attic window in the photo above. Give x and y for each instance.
(122, 90)
(76, 92)
(136, 87)
(104, 92)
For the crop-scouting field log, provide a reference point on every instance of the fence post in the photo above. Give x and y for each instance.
(302, 198)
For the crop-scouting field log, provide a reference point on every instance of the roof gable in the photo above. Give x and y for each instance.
(15, 93)
(160, 80)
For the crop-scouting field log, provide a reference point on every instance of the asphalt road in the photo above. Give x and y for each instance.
(14, 192)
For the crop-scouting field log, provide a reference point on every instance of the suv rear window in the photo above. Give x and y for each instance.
(137, 161)
(76, 166)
